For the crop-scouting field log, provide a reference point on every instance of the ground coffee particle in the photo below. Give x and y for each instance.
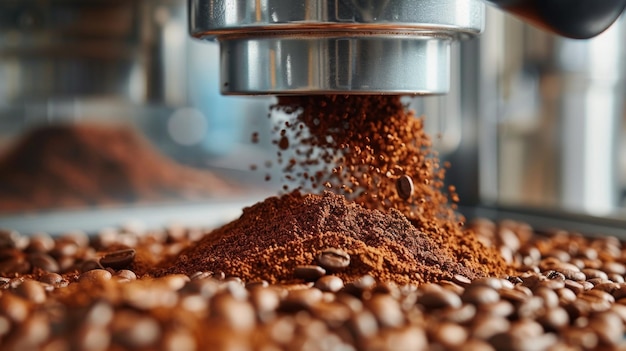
(357, 147)
(275, 236)
(79, 165)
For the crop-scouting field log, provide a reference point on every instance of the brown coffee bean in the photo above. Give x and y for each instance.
(484, 327)
(594, 273)
(90, 265)
(15, 265)
(95, 276)
(461, 280)
(475, 345)
(309, 273)
(608, 326)
(40, 242)
(44, 262)
(329, 283)
(9, 238)
(404, 187)
(91, 338)
(118, 259)
(133, 330)
(549, 297)
(490, 282)
(32, 290)
(14, 307)
(53, 279)
(301, 299)
(363, 324)
(176, 340)
(449, 335)
(234, 313)
(387, 311)
(459, 315)
(554, 319)
(480, 295)
(501, 308)
(126, 274)
(333, 259)
(64, 249)
(576, 287)
(433, 299)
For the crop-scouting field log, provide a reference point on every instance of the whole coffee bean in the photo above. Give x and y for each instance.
(8, 238)
(301, 299)
(53, 279)
(594, 273)
(449, 335)
(404, 187)
(91, 338)
(40, 242)
(118, 259)
(363, 324)
(31, 290)
(133, 330)
(432, 299)
(554, 319)
(461, 280)
(475, 345)
(309, 273)
(95, 276)
(333, 259)
(332, 313)
(126, 274)
(329, 283)
(484, 327)
(501, 308)
(480, 295)
(14, 307)
(387, 311)
(44, 262)
(90, 265)
(232, 312)
(459, 315)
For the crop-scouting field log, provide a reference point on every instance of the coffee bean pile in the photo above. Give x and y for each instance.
(83, 165)
(568, 293)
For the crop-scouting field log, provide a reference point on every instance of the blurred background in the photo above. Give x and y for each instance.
(533, 122)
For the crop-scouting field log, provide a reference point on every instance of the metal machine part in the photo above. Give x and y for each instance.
(319, 47)
(362, 46)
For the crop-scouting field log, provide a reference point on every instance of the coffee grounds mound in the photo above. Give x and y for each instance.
(272, 237)
(70, 166)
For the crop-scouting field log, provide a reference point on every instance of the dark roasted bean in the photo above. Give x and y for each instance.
(404, 187)
(440, 299)
(44, 262)
(333, 259)
(480, 295)
(309, 273)
(118, 259)
(330, 283)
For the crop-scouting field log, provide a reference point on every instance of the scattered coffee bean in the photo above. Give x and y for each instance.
(333, 259)
(404, 187)
(118, 259)
(309, 273)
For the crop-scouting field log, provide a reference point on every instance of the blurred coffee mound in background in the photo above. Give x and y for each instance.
(79, 165)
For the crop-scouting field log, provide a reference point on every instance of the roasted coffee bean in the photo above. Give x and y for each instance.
(126, 274)
(95, 276)
(554, 319)
(40, 243)
(595, 273)
(330, 283)
(118, 259)
(14, 307)
(461, 280)
(44, 262)
(480, 295)
(386, 310)
(301, 299)
(90, 265)
(31, 290)
(309, 273)
(235, 313)
(8, 238)
(333, 259)
(440, 299)
(133, 330)
(404, 187)
(53, 279)
(484, 327)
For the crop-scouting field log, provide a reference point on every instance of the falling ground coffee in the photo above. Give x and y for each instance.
(358, 147)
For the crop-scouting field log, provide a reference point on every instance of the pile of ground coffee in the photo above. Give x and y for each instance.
(359, 147)
(79, 165)
(273, 238)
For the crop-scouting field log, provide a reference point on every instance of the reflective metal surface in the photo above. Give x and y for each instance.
(340, 46)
